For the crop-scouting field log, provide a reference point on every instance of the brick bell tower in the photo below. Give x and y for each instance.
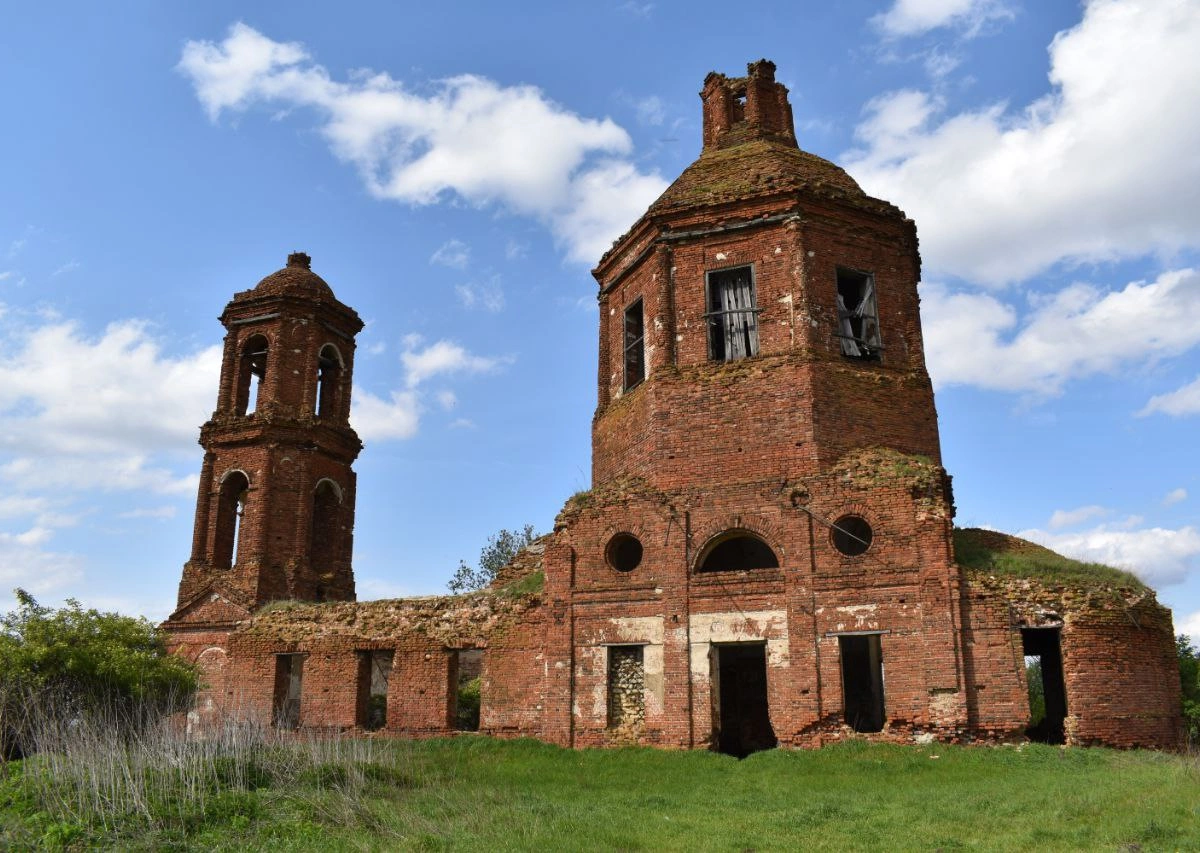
(275, 509)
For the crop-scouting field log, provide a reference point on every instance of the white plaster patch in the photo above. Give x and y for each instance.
(720, 256)
(738, 627)
(778, 250)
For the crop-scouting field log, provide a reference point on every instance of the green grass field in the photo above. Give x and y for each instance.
(474, 793)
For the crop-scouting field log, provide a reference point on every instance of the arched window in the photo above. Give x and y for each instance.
(231, 507)
(323, 537)
(737, 551)
(329, 370)
(252, 370)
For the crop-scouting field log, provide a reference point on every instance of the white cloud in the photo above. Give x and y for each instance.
(1189, 625)
(161, 512)
(977, 339)
(1175, 496)
(372, 589)
(26, 564)
(69, 266)
(486, 294)
(453, 253)
(650, 110)
(447, 399)
(1156, 555)
(515, 250)
(1102, 167)
(1071, 517)
(444, 357)
(914, 17)
(377, 419)
(1178, 403)
(471, 138)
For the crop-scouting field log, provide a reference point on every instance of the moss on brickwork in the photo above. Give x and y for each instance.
(989, 552)
(616, 491)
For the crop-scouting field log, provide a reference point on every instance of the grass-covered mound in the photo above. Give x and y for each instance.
(995, 553)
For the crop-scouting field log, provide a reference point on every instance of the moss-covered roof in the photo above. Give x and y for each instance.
(753, 168)
(996, 553)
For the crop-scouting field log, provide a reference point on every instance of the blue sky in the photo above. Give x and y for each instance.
(455, 171)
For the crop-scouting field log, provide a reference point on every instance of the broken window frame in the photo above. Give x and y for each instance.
(635, 345)
(726, 324)
(232, 494)
(858, 327)
(722, 539)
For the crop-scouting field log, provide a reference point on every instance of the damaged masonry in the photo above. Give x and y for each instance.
(767, 553)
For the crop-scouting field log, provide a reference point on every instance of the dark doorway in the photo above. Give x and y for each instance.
(1047, 690)
(743, 723)
(289, 673)
(862, 681)
(465, 673)
(374, 673)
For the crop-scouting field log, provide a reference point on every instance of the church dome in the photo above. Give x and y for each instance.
(295, 279)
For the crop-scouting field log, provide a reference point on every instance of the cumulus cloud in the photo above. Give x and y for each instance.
(1175, 496)
(485, 293)
(26, 563)
(1189, 625)
(1178, 403)
(453, 253)
(1156, 555)
(1101, 167)
(470, 138)
(1071, 517)
(444, 357)
(976, 339)
(915, 17)
(95, 409)
(378, 419)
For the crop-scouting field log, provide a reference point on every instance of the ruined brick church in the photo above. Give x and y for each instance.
(766, 555)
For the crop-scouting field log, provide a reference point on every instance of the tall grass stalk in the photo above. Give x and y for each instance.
(120, 770)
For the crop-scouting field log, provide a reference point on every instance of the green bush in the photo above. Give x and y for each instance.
(83, 662)
(468, 706)
(1189, 682)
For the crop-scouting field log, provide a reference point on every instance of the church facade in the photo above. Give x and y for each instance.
(766, 555)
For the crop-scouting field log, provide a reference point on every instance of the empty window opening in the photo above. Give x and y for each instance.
(626, 691)
(289, 673)
(738, 107)
(374, 672)
(635, 349)
(252, 370)
(1047, 691)
(852, 535)
(732, 316)
(738, 551)
(741, 716)
(231, 511)
(323, 535)
(858, 315)
(862, 681)
(329, 368)
(466, 674)
(624, 552)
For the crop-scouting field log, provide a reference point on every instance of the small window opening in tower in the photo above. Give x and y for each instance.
(741, 711)
(862, 681)
(252, 370)
(231, 510)
(732, 316)
(465, 680)
(858, 315)
(1047, 688)
(626, 691)
(851, 535)
(323, 535)
(738, 107)
(623, 552)
(329, 366)
(635, 350)
(374, 674)
(738, 551)
(289, 675)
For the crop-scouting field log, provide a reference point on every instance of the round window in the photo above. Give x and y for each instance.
(624, 552)
(852, 535)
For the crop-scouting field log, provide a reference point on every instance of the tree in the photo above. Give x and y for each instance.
(497, 554)
(1189, 682)
(73, 662)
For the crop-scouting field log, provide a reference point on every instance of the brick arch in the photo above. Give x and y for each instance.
(716, 533)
